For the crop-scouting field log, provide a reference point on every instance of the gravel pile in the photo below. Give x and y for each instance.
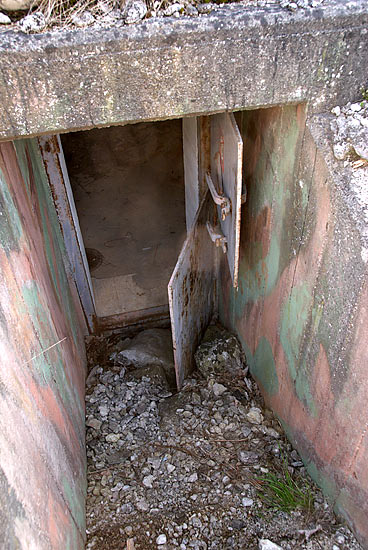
(109, 12)
(173, 470)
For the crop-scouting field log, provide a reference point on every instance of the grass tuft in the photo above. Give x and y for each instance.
(281, 492)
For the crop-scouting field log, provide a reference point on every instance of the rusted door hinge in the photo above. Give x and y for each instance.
(217, 237)
(223, 202)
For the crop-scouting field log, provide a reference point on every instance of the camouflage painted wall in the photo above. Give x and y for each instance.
(42, 454)
(301, 311)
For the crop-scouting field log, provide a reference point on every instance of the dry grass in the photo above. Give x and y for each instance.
(62, 12)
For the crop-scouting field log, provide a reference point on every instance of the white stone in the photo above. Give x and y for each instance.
(148, 481)
(266, 544)
(218, 389)
(4, 19)
(84, 19)
(161, 539)
(135, 11)
(112, 438)
(340, 150)
(35, 22)
(246, 502)
(255, 416)
(104, 410)
(193, 478)
(170, 468)
(336, 111)
(356, 107)
(173, 8)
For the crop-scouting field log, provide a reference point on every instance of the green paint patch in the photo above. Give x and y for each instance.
(264, 368)
(258, 279)
(326, 484)
(75, 504)
(294, 320)
(11, 229)
(294, 315)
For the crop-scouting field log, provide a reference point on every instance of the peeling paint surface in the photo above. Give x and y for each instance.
(301, 311)
(42, 461)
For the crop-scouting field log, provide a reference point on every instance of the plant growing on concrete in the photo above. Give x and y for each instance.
(282, 492)
(364, 92)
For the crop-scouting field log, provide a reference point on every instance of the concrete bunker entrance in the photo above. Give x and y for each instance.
(128, 187)
(147, 210)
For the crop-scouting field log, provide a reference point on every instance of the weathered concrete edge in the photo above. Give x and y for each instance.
(236, 58)
(319, 126)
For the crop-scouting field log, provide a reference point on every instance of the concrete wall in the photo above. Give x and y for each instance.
(301, 311)
(237, 57)
(42, 453)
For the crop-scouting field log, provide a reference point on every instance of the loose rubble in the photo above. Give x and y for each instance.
(349, 128)
(350, 131)
(171, 470)
(110, 12)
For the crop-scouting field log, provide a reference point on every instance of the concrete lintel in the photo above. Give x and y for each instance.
(237, 57)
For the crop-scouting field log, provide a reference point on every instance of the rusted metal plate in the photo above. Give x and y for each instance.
(56, 169)
(191, 291)
(191, 165)
(226, 173)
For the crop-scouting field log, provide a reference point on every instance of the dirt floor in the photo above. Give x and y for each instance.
(193, 470)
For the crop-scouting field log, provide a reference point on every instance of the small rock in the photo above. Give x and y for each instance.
(191, 10)
(266, 544)
(142, 505)
(255, 416)
(83, 20)
(292, 6)
(94, 423)
(148, 481)
(238, 524)
(104, 410)
(193, 478)
(112, 438)
(341, 150)
(4, 19)
(204, 8)
(356, 107)
(173, 8)
(161, 539)
(248, 457)
(218, 389)
(135, 11)
(35, 22)
(170, 468)
(336, 111)
(246, 502)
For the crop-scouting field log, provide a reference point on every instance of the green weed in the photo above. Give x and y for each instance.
(364, 92)
(281, 492)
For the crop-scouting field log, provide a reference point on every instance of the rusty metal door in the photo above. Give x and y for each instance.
(226, 174)
(192, 291)
(191, 165)
(53, 157)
